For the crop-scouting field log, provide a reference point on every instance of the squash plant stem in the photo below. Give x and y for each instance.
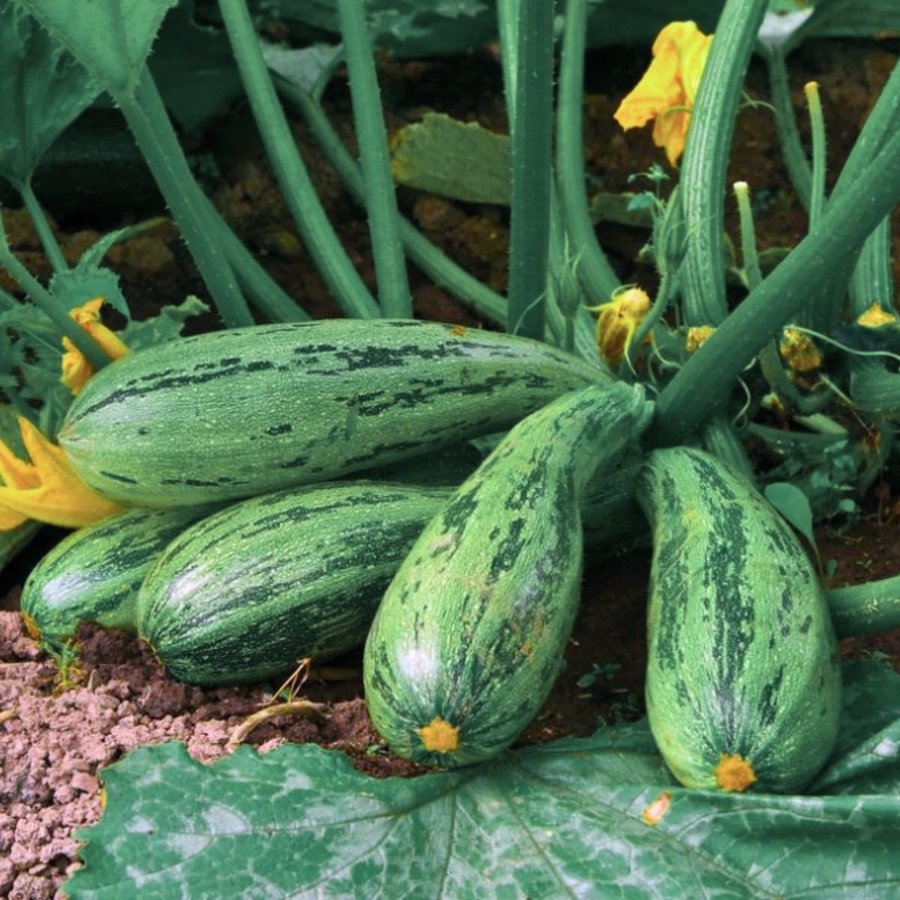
(530, 99)
(594, 270)
(48, 304)
(789, 139)
(431, 260)
(42, 227)
(703, 172)
(706, 380)
(323, 244)
(149, 123)
(387, 249)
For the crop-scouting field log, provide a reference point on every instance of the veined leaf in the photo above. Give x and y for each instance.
(585, 817)
(43, 90)
(110, 38)
(194, 68)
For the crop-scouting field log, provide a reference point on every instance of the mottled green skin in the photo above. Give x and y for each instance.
(473, 627)
(237, 413)
(274, 579)
(742, 657)
(93, 574)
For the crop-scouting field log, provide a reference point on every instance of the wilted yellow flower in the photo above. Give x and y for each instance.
(669, 87)
(618, 321)
(697, 336)
(47, 488)
(798, 350)
(76, 368)
(875, 317)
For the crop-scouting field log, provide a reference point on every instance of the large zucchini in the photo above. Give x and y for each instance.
(276, 578)
(236, 413)
(470, 635)
(743, 680)
(93, 574)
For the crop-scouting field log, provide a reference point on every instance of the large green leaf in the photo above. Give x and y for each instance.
(194, 69)
(110, 38)
(42, 89)
(568, 818)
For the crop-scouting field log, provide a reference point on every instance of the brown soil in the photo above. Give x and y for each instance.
(54, 737)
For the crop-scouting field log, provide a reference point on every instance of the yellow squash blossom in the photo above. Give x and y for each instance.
(618, 320)
(798, 350)
(669, 87)
(875, 317)
(76, 368)
(47, 488)
(697, 336)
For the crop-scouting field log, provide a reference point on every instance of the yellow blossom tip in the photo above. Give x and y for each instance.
(799, 351)
(875, 316)
(439, 736)
(76, 368)
(734, 773)
(697, 336)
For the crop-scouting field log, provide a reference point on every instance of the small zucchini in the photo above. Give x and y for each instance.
(743, 682)
(93, 574)
(469, 637)
(273, 579)
(232, 414)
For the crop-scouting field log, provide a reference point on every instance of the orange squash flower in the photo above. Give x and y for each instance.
(76, 368)
(669, 87)
(46, 488)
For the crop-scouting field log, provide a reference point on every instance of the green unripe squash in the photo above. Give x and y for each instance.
(743, 681)
(274, 579)
(233, 414)
(94, 573)
(470, 635)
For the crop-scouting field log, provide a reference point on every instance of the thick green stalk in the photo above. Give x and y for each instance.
(149, 123)
(532, 130)
(786, 124)
(594, 270)
(432, 261)
(297, 188)
(381, 205)
(862, 609)
(703, 172)
(873, 279)
(875, 390)
(881, 125)
(720, 438)
(43, 229)
(707, 379)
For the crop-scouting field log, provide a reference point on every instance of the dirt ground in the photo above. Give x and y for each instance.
(56, 733)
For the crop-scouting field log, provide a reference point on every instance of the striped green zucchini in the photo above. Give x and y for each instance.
(274, 579)
(237, 413)
(743, 681)
(470, 635)
(93, 574)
